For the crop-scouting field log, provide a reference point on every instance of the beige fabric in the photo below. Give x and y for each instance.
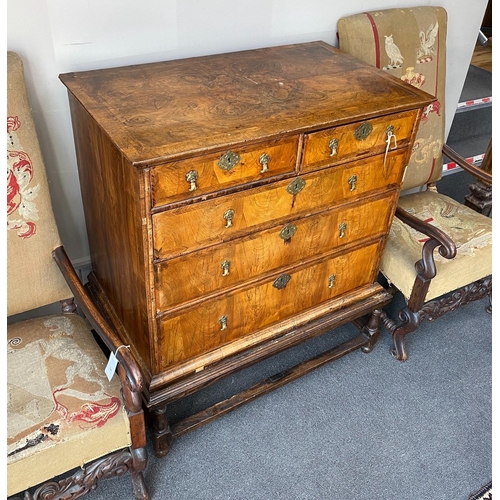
(33, 278)
(59, 401)
(471, 232)
(410, 44)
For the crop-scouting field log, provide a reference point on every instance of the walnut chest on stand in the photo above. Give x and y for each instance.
(238, 205)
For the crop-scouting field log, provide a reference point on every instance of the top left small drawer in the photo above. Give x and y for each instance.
(201, 175)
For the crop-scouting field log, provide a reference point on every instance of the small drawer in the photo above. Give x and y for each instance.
(339, 144)
(205, 174)
(193, 227)
(200, 273)
(239, 313)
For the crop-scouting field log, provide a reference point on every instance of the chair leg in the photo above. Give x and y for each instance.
(139, 460)
(431, 311)
(410, 321)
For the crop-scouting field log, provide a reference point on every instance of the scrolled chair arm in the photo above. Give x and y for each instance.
(477, 172)
(95, 318)
(426, 266)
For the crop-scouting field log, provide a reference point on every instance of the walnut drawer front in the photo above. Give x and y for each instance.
(339, 144)
(210, 270)
(216, 322)
(205, 174)
(193, 227)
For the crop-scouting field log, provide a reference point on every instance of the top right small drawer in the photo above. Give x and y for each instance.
(340, 144)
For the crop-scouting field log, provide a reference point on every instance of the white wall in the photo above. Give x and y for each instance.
(58, 36)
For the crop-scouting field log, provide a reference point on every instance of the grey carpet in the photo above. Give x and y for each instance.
(365, 427)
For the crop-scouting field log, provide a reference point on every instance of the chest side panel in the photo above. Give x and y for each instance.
(111, 198)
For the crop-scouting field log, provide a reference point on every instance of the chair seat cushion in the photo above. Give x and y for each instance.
(62, 411)
(470, 230)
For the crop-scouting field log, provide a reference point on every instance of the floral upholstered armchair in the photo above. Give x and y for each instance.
(439, 252)
(65, 419)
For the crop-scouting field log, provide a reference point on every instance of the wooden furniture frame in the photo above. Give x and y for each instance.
(229, 206)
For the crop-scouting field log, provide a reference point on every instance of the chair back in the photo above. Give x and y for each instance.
(410, 44)
(33, 278)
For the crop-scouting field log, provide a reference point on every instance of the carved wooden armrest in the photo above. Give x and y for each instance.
(426, 267)
(99, 324)
(479, 173)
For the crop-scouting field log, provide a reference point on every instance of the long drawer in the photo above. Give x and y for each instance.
(195, 275)
(190, 228)
(216, 322)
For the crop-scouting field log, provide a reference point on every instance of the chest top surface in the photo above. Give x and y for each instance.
(161, 111)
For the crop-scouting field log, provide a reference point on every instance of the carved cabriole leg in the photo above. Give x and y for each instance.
(133, 404)
(161, 431)
(371, 330)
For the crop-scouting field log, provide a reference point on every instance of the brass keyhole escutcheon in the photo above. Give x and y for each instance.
(331, 281)
(333, 145)
(228, 160)
(225, 267)
(296, 186)
(352, 182)
(363, 131)
(228, 216)
(191, 177)
(264, 161)
(223, 322)
(282, 281)
(342, 228)
(288, 231)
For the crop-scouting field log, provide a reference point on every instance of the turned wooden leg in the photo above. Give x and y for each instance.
(162, 435)
(371, 330)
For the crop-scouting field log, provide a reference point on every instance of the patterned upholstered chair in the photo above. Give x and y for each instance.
(439, 251)
(67, 425)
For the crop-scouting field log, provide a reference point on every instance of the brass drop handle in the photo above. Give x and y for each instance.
(191, 177)
(333, 145)
(264, 161)
(390, 135)
(331, 281)
(342, 228)
(225, 267)
(352, 182)
(223, 322)
(228, 216)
